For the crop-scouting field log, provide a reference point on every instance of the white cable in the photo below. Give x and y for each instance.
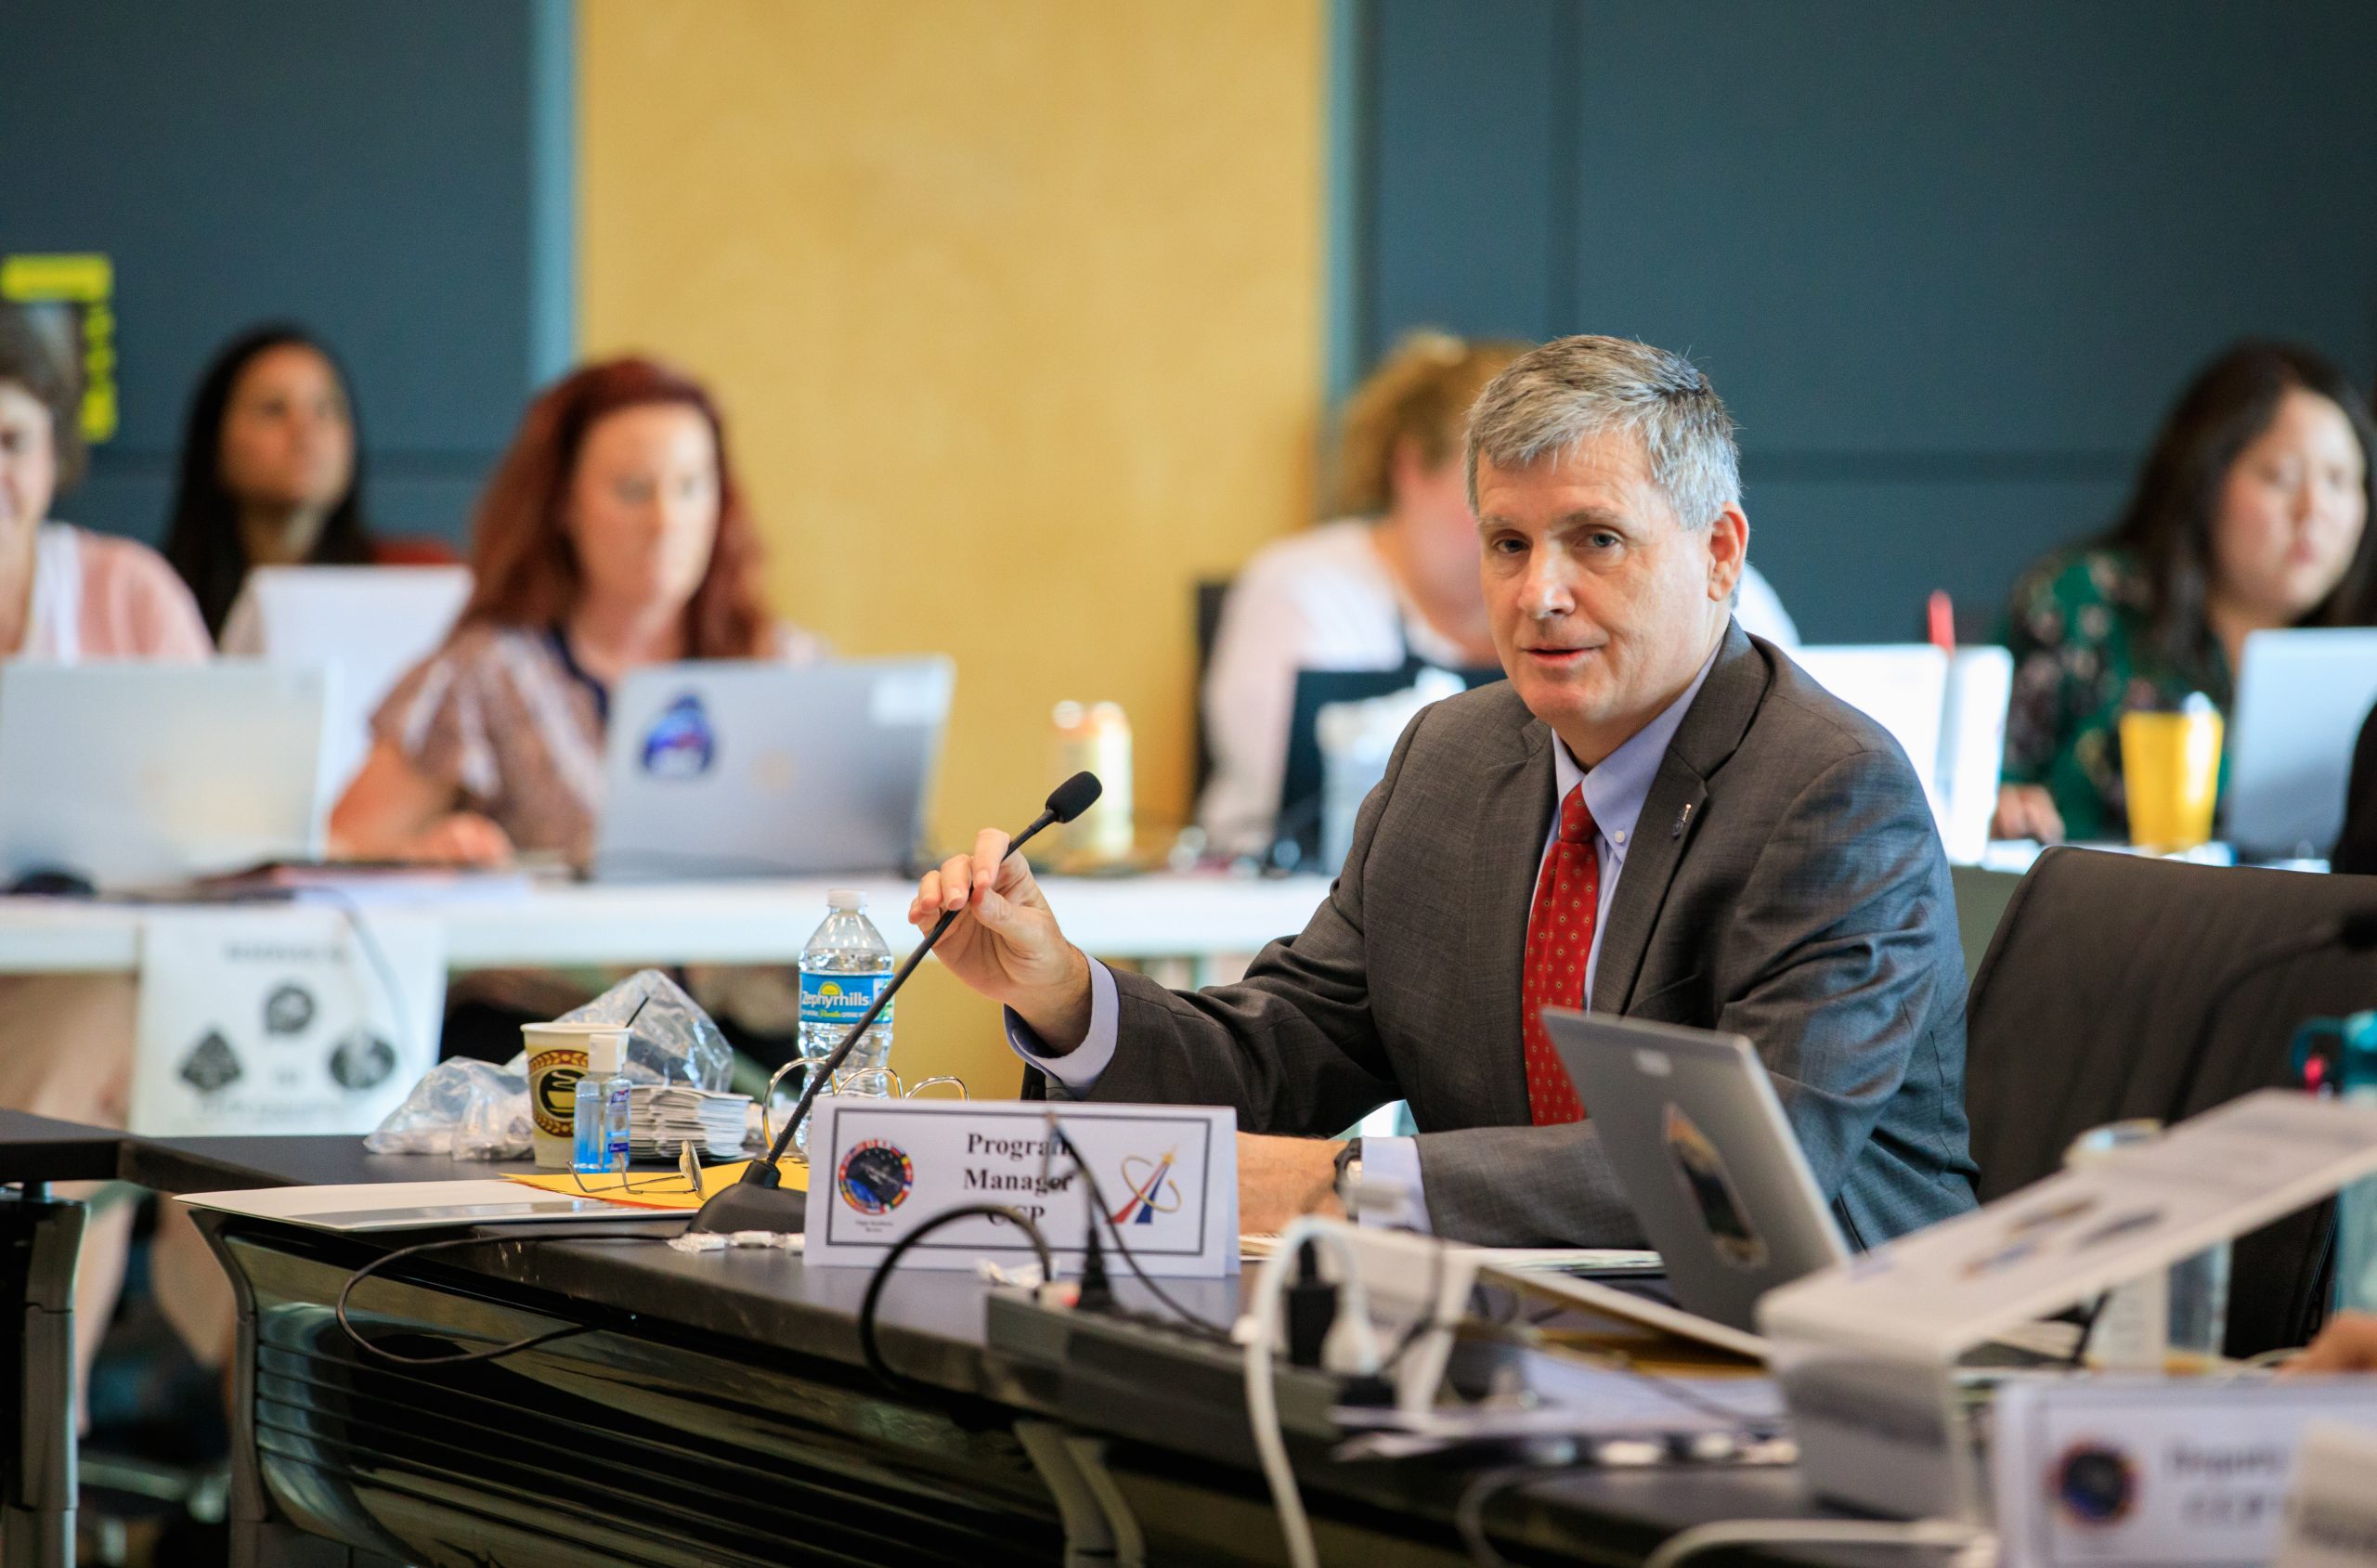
(1262, 1334)
(1939, 1533)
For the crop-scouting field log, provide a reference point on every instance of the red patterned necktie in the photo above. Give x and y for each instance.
(1559, 939)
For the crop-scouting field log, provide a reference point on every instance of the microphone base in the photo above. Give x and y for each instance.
(749, 1206)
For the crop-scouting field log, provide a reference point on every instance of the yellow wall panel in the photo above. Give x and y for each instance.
(1015, 309)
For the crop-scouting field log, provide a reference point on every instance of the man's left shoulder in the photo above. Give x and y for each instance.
(1801, 734)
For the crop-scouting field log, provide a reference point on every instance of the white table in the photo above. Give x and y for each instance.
(1192, 917)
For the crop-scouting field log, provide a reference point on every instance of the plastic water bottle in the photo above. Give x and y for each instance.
(845, 966)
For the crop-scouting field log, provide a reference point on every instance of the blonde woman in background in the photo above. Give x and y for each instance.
(1392, 582)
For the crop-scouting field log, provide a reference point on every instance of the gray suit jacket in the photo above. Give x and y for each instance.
(1803, 901)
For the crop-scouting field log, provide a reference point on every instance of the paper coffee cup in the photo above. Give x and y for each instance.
(556, 1061)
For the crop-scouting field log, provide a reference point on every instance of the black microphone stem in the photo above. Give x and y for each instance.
(820, 1075)
(760, 1201)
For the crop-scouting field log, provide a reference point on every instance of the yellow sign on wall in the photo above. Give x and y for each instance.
(82, 286)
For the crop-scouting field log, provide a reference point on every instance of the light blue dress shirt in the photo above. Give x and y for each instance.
(1614, 794)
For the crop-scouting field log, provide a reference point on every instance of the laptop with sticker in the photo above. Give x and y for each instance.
(755, 768)
(1693, 1128)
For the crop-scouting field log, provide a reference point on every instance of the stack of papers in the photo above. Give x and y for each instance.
(663, 1118)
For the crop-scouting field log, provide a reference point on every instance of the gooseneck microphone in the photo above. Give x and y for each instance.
(759, 1202)
(2354, 931)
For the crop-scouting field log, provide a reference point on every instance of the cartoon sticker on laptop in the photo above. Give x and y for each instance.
(680, 744)
(1710, 1187)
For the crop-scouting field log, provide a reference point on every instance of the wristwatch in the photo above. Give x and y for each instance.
(1349, 1171)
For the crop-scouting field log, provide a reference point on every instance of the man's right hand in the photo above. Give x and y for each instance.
(1005, 942)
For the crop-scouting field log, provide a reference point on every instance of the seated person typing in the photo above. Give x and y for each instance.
(1656, 811)
(612, 535)
(2250, 514)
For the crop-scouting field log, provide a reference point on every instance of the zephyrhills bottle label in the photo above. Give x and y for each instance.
(838, 1000)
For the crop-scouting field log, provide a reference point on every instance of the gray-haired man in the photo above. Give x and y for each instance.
(1656, 812)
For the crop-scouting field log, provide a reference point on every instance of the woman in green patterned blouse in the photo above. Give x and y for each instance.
(2250, 514)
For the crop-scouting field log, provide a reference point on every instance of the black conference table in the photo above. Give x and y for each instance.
(714, 1409)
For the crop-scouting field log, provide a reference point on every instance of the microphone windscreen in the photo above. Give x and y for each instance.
(1074, 796)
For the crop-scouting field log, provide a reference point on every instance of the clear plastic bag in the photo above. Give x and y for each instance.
(474, 1111)
(674, 1041)
(466, 1108)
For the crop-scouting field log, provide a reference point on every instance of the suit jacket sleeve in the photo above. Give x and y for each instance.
(1294, 1046)
(1831, 970)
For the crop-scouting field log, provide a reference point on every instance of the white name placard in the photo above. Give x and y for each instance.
(2143, 1472)
(282, 1020)
(1167, 1176)
(1856, 1343)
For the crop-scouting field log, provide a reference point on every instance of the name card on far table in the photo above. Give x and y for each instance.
(282, 1020)
(880, 1167)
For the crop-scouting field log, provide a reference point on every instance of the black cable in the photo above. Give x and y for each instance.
(1098, 1201)
(1469, 1514)
(459, 1358)
(2087, 1328)
(399, 1015)
(870, 1349)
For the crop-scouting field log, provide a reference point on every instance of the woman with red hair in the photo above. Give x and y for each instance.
(612, 535)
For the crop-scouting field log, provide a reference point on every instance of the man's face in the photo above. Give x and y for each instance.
(1603, 605)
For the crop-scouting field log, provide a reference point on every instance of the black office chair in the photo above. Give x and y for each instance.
(1210, 592)
(2087, 1010)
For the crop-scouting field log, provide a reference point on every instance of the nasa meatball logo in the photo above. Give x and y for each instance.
(874, 1177)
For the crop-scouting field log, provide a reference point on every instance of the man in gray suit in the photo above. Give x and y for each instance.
(1655, 812)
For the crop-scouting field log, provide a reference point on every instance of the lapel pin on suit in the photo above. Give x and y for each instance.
(1683, 819)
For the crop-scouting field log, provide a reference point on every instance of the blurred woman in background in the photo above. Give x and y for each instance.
(68, 594)
(612, 536)
(2250, 514)
(271, 472)
(1394, 582)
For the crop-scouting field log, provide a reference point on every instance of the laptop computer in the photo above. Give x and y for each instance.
(1302, 769)
(125, 775)
(2302, 697)
(728, 767)
(373, 623)
(1692, 1126)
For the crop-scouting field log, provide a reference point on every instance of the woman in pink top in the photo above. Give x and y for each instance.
(67, 595)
